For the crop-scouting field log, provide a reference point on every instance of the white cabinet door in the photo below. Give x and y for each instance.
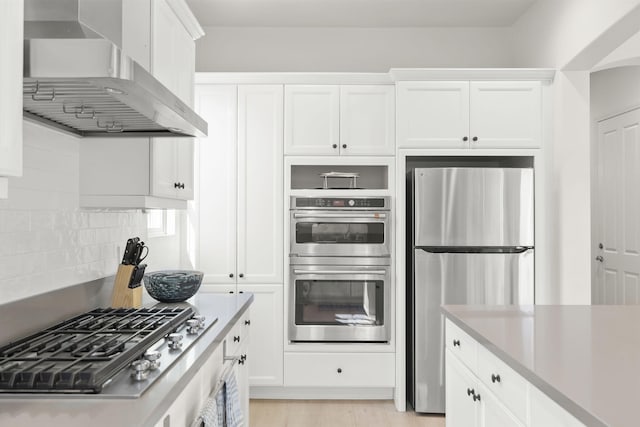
(311, 119)
(217, 184)
(461, 409)
(506, 114)
(367, 120)
(164, 168)
(433, 114)
(545, 412)
(493, 413)
(260, 189)
(11, 34)
(184, 169)
(266, 334)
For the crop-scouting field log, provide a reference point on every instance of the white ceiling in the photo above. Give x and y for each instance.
(358, 13)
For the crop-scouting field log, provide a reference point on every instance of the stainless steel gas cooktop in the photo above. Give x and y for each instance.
(118, 352)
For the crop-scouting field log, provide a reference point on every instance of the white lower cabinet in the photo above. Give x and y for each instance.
(482, 391)
(187, 406)
(264, 329)
(545, 412)
(339, 369)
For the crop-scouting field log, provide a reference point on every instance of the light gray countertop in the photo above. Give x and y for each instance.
(586, 358)
(82, 411)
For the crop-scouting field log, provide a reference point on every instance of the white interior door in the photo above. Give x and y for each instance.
(617, 245)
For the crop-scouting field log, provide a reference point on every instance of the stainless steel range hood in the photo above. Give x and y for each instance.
(79, 81)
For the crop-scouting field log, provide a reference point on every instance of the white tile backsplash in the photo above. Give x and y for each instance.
(46, 241)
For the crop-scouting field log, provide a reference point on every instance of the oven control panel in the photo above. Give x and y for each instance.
(340, 202)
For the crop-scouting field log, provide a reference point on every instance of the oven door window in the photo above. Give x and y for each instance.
(340, 232)
(339, 302)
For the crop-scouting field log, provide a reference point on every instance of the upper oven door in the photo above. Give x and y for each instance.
(340, 233)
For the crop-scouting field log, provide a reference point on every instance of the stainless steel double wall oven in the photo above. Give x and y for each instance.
(340, 262)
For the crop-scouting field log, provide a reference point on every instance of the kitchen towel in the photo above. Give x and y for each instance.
(233, 408)
(212, 414)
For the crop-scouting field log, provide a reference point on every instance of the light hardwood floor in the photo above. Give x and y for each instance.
(335, 413)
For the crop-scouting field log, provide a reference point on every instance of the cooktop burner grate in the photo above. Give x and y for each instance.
(81, 354)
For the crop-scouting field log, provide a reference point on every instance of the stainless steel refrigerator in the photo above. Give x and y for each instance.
(473, 243)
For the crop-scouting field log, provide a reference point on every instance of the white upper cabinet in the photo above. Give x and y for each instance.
(146, 172)
(433, 114)
(460, 114)
(11, 24)
(311, 119)
(339, 120)
(240, 184)
(367, 120)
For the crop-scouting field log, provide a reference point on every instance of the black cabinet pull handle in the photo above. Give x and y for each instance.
(344, 145)
(475, 138)
(456, 343)
(236, 338)
(230, 292)
(335, 145)
(495, 378)
(470, 392)
(241, 275)
(176, 185)
(339, 370)
(465, 138)
(476, 397)
(247, 322)
(231, 275)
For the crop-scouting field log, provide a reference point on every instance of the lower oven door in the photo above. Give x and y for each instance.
(339, 303)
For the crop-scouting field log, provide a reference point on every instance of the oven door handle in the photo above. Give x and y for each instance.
(376, 272)
(344, 215)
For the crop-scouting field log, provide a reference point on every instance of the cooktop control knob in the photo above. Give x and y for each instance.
(193, 326)
(200, 318)
(140, 370)
(175, 341)
(153, 357)
(351, 202)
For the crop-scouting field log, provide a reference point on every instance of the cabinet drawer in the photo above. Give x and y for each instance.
(339, 369)
(461, 345)
(505, 383)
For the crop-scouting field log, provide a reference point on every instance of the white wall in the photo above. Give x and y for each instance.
(554, 33)
(46, 241)
(614, 91)
(350, 49)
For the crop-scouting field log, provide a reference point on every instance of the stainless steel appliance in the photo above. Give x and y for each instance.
(339, 299)
(472, 238)
(114, 352)
(78, 80)
(340, 226)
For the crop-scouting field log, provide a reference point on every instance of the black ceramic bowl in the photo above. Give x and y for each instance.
(173, 285)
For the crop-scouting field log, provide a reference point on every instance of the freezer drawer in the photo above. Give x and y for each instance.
(473, 207)
(457, 278)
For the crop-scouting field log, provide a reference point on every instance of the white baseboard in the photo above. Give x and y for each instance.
(313, 393)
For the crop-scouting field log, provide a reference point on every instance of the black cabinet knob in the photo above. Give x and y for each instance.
(335, 145)
(243, 357)
(247, 322)
(236, 338)
(474, 139)
(182, 185)
(495, 378)
(465, 138)
(344, 145)
(176, 185)
(241, 275)
(476, 397)
(230, 292)
(339, 370)
(470, 392)
(456, 343)
(231, 275)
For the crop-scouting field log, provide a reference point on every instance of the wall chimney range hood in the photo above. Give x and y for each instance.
(78, 80)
